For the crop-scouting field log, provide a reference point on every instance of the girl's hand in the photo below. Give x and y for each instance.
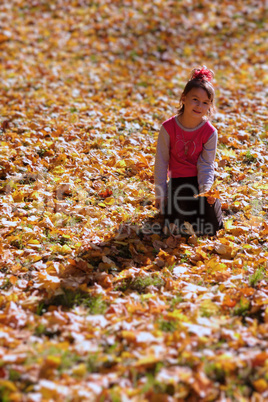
(211, 200)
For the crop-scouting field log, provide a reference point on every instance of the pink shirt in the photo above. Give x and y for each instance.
(186, 147)
(171, 156)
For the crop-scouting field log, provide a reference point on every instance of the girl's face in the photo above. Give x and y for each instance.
(196, 104)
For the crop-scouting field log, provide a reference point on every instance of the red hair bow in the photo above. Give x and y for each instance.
(202, 74)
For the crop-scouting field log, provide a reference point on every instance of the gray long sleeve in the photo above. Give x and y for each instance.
(205, 163)
(161, 164)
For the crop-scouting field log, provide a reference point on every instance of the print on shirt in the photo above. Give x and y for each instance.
(184, 149)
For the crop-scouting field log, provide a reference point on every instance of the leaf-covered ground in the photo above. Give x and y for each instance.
(97, 304)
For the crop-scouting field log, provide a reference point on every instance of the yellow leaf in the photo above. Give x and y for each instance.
(130, 336)
(33, 241)
(35, 257)
(55, 248)
(35, 195)
(8, 385)
(260, 186)
(208, 307)
(59, 170)
(177, 314)
(109, 200)
(120, 164)
(260, 385)
(53, 361)
(49, 390)
(18, 196)
(187, 51)
(80, 370)
(229, 153)
(66, 249)
(228, 224)
(147, 361)
(215, 265)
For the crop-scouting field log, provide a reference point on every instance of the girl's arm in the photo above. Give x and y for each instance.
(161, 168)
(205, 163)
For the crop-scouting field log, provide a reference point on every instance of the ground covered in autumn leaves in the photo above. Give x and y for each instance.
(97, 304)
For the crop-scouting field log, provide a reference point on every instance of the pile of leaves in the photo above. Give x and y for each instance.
(97, 303)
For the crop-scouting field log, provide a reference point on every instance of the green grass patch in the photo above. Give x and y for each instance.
(140, 284)
(69, 299)
(167, 326)
(256, 277)
(175, 301)
(249, 157)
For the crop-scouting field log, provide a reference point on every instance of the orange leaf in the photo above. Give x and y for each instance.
(260, 359)
(13, 279)
(106, 193)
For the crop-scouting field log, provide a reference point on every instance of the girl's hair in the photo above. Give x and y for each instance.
(200, 78)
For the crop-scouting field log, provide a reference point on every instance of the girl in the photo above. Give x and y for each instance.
(187, 147)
